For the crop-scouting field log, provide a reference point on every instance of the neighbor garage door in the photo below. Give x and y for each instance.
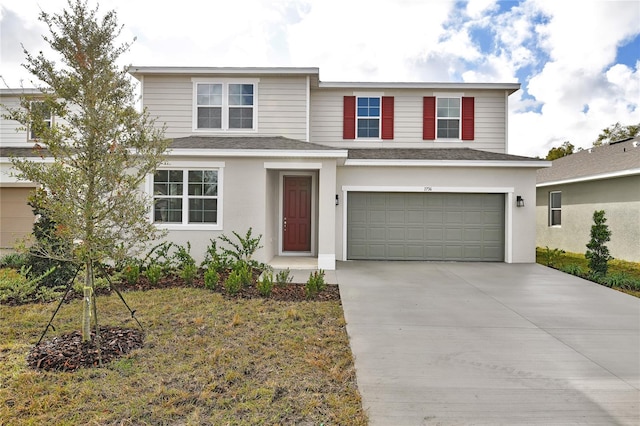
(425, 226)
(16, 217)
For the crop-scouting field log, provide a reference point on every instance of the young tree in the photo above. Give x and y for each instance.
(562, 151)
(102, 148)
(617, 132)
(597, 251)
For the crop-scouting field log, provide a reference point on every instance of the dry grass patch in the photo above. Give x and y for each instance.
(206, 360)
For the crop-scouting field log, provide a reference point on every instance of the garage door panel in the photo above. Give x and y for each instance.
(415, 234)
(396, 234)
(425, 226)
(396, 217)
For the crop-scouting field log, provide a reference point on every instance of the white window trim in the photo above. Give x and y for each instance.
(460, 95)
(185, 225)
(50, 121)
(552, 209)
(369, 138)
(225, 82)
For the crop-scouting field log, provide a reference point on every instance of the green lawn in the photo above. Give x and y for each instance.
(206, 360)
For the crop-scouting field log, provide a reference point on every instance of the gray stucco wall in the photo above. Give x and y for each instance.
(618, 197)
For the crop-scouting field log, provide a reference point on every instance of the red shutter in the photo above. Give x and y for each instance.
(349, 118)
(468, 117)
(429, 118)
(387, 117)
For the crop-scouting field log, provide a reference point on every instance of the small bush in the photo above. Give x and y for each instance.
(131, 272)
(213, 258)
(16, 287)
(160, 255)
(553, 256)
(154, 273)
(315, 284)
(244, 272)
(283, 277)
(265, 284)
(573, 269)
(621, 280)
(211, 278)
(14, 260)
(234, 283)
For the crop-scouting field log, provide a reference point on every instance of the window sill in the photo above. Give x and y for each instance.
(225, 131)
(188, 227)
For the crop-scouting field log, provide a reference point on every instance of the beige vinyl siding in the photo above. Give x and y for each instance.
(281, 105)
(490, 120)
(9, 133)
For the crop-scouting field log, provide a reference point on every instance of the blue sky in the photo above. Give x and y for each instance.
(577, 61)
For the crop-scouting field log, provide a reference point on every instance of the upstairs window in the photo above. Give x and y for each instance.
(368, 117)
(39, 109)
(224, 106)
(451, 118)
(185, 196)
(555, 208)
(448, 118)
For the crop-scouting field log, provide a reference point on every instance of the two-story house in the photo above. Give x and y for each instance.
(339, 171)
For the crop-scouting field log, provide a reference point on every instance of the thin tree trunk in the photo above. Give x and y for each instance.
(86, 304)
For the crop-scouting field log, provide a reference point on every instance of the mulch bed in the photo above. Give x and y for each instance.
(68, 352)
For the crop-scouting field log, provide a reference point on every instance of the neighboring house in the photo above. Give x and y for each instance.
(338, 171)
(600, 178)
(16, 216)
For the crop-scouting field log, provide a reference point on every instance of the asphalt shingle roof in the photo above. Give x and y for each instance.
(244, 142)
(464, 154)
(30, 151)
(596, 161)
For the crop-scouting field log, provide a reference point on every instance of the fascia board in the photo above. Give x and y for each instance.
(622, 173)
(256, 153)
(511, 87)
(447, 163)
(143, 70)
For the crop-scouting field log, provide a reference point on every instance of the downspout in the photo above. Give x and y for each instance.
(308, 138)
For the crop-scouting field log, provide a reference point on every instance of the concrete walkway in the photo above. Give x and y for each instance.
(489, 343)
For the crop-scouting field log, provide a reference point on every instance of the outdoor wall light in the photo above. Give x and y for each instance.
(337, 199)
(519, 201)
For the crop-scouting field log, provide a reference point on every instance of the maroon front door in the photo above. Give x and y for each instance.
(296, 214)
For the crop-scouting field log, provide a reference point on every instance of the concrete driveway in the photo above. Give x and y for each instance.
(490, 343)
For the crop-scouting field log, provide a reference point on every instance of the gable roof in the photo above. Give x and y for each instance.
(602, 162)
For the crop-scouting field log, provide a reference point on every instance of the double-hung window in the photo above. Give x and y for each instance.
(186, 196)
(225, 105)
(368, 117)
(555, 208)
(40, 111)
(448, 118)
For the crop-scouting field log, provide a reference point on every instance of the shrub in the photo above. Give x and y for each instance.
(131, 272)
(213, 258)
(160, 255)
(186, 263)
(597, 251)
(573, 269)
(153, 273)
(233, 283)
(315, 284)
(552, 256)
(16, 287)
(243, 250)
(244, 272)
(621, 280)
(283, 277)
(265, 284)
(14, 260)
(211, 278)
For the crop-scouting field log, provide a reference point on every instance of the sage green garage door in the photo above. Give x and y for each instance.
(425, 226)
